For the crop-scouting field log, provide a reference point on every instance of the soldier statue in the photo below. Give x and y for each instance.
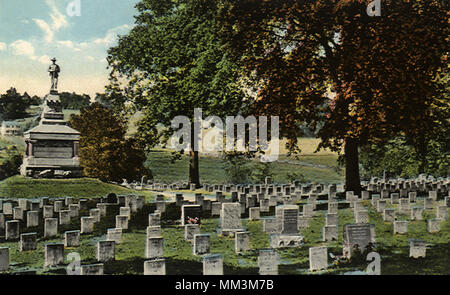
(54, 70)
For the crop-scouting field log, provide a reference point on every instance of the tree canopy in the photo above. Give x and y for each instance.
(173, 61)
(13, 105)
(104, 151)
(73, 101)
(366, 78)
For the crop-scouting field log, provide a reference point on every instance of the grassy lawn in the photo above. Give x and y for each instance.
(212, 168)
(22, 187)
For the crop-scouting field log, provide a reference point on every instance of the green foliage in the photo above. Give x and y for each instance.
(73, 101)
(261, 171)
(399, 159)
(293, 51)
(105, 153)
(11, 164)
(173, 62)
(237, 167)
(13, 105)
(293, 176)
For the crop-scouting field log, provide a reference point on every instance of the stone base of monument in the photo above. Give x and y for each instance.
(38, 171)
(51, 147)
(282, 241)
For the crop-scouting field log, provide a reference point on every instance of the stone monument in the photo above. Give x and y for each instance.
(52, 147)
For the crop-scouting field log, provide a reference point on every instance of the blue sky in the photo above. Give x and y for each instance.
(33, 31)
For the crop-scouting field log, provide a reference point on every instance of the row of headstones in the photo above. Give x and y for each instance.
(329, 231)
(12, 227)
(415, 213)
(361, 215)
(286, 189)
(54, 252)
(420, 183)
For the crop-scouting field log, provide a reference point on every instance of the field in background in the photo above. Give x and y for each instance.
(212, 168)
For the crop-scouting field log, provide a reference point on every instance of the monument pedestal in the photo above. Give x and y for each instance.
(52, 146)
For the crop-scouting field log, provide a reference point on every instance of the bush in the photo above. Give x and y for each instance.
(105, 153)
(11, 165)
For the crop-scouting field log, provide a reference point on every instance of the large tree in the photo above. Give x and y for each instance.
(105, 152)
(363, 78)
(173, 62)
(13, 105)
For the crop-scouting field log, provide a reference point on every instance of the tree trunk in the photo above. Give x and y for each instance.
(194, 175)
(352, 180)
(421, 151)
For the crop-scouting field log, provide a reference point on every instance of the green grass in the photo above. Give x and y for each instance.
(212, 170)
(22, 187)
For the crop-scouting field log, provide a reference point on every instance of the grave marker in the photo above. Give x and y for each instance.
(230, 218)
(50, 227)
(154, 247)
(400, 227)
(191, 214)
(32, 218)
(72, 238)
(190, 230)
(92, 269)
(54, 254)
(362, 216)
(389, 215)
(155, 267)
(434, 225)
(356, 237)
(122, 221)
(417, 248)
(213, 265)
(4, 258)
(105, 251)
(330, 233)
(318, 258)
(28, 242)
(87, 224)
(153, 231)
(64, 217)
(114, 234)
(268, 262)
(201, 244)
(242, 242)
(12, 230)
(254, 213)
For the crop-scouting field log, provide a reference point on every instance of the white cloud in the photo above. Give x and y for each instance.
(58, 21)
(45, 27)
(45, 59)
(25, 21)
(21, 47)
(111, 35)
(67, 43)
(90, 58)
(2, 46)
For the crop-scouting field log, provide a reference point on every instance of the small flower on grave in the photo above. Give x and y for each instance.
(192, 220)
